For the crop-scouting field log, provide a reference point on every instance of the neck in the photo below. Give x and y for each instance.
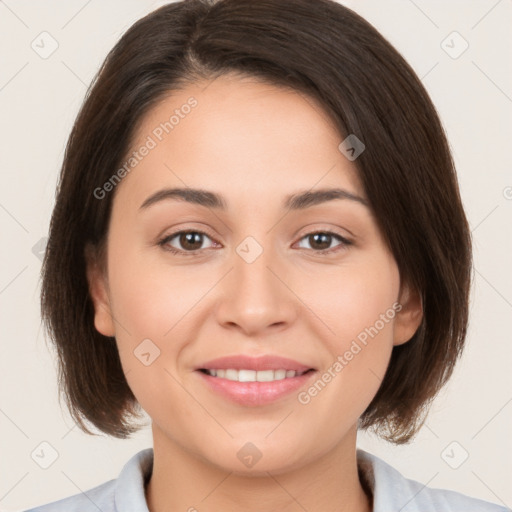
(182, 480)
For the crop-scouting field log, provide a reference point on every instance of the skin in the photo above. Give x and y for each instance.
(254, 143)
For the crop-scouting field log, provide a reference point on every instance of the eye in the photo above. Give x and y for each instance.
(190, 241)
(320, 241)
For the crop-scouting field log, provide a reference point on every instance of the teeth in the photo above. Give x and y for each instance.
(253, 375)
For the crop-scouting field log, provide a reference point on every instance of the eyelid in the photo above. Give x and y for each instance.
(164, 240)
(344, 242)
(317, 227)
(309, 230)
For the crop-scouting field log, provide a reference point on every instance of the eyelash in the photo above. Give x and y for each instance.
(162, 242)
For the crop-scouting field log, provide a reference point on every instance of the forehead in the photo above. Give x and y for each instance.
(237, 133)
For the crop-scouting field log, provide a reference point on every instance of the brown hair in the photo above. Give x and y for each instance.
(330, 54)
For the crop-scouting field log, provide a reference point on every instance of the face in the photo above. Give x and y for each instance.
(256, 275)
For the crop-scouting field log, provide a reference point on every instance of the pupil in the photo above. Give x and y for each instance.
(188, 239)
(321, 240)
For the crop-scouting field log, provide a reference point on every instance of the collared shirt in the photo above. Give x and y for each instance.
(391, 491)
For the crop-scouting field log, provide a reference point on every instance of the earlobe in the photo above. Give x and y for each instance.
(409, 318)
(98, 290)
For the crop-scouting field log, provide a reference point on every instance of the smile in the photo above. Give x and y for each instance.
(252, 392)
(253, 375)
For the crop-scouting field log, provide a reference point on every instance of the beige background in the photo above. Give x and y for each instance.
(39, 99)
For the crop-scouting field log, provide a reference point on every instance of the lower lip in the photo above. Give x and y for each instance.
(255, 393)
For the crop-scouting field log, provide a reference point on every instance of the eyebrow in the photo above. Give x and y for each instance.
(297, 201)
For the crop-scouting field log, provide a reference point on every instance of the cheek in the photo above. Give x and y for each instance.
(163, 303)
(353, 298)
(149, 296)
(358, 305)
(152, 308)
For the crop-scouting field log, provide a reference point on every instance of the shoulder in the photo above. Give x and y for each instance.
(100, 497)
(392, 491)
(124, 493)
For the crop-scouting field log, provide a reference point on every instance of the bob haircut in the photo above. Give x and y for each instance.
(326, 52)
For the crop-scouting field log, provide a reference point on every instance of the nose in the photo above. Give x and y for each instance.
(255, 297)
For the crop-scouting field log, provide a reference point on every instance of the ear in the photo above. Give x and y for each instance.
(98, 290)
(409, 316)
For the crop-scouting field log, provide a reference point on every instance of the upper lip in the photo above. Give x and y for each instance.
(243, 362)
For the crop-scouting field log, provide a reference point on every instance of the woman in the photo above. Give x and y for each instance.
(250, 242)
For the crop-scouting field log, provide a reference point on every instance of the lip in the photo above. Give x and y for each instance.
(253, 394)
(243, 362)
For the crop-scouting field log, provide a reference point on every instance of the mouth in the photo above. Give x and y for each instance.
(250, 381)
(246, 375)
